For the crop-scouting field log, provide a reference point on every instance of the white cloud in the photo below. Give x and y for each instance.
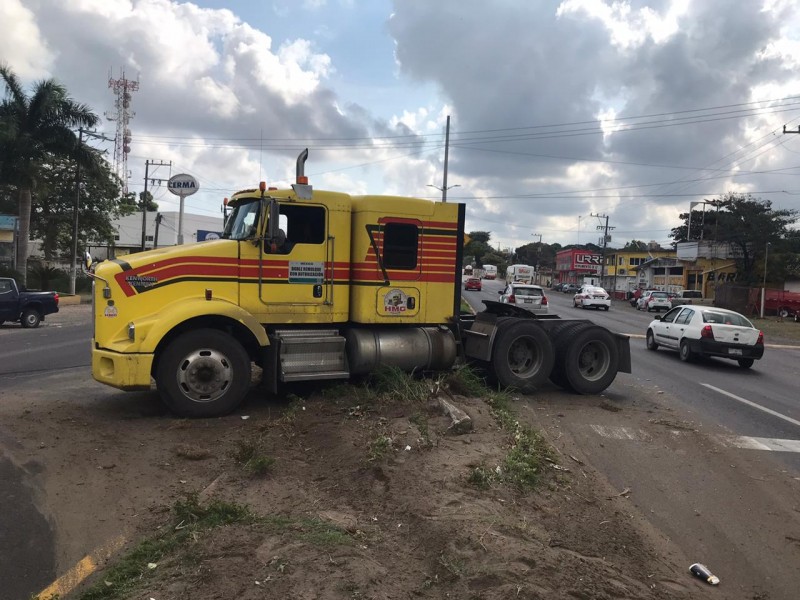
(21, 45)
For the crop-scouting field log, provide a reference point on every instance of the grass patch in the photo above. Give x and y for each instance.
(525, 460)
(467, 381)
(465, 307)
(379, 448)
(132, 570)
(393, 385)
(421, 421)
(175, 546)
(247, 455)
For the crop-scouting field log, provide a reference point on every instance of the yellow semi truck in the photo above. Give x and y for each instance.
(313, 285)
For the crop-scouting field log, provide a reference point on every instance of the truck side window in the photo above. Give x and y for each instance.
(5, 286)
(304, 224)
(400, 246)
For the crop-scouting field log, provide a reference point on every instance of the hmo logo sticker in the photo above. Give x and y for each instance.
(394, 302)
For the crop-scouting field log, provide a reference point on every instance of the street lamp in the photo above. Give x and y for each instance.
(443, 189)
(764, 283)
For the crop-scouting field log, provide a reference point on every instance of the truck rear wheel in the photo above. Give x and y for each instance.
(587, 359)
(203, 373)
(523, 356)
(30, 318)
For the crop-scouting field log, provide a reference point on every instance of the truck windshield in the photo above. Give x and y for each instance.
(242, 221)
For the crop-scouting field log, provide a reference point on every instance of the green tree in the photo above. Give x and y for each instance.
(52, 217)
(748, 224)
(31, 128)
(635, 245)
(478, 246)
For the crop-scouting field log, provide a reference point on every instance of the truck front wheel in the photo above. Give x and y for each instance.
(203, 373)
(523, 356)
(30, 318)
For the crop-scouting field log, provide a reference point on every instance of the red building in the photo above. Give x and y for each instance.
(575, 264)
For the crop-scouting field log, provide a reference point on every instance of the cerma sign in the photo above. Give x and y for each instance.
(182, 185)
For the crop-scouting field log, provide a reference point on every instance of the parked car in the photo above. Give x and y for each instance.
(654, 300)
(556, 287)
(27, 307)
(696, 331)
(473, 283)
(571, 288)
(525, 295)
(685, 297)
(633, 298)
(591, 296)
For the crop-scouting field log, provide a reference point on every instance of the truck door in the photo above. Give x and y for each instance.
(8, 300)
(295, 273)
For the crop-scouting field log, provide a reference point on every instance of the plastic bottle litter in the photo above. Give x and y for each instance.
(704, 573)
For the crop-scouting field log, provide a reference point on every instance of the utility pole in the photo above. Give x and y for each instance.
(147, 164)
(444, 186)
(159, 217)
(605, 229)
(538, 254)
(446, 156)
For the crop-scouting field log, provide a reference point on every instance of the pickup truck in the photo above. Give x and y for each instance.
(27, 307)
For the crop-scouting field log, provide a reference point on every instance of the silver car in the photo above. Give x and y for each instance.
(525, 295)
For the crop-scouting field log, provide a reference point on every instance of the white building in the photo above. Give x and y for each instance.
(160, 230)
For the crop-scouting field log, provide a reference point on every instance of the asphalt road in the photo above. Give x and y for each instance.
(27, 538)
(709, 452)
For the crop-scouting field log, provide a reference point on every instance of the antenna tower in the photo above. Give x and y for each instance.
(122, 114)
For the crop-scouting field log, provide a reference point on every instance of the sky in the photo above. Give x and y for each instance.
(562, 113)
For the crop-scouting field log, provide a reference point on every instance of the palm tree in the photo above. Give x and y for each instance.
(30, 129)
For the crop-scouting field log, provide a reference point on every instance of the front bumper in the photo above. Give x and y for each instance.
(127, 372)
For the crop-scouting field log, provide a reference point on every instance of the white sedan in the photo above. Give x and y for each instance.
(591, 296)
(696, 331)
(525, 295)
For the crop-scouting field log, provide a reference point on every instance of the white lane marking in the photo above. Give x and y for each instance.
(753, 404)
(757, 443)
(619, 433)
(734, 441)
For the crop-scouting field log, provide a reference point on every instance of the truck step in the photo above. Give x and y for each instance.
(311, 354)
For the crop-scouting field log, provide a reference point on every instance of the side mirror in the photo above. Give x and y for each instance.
(500, 292)
(87, 261)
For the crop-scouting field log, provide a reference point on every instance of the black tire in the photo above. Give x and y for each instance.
(651, 340)
(605, 308)
(523, 356)
(30, 318)
(685, 352)
(746, 363)
(203, 373)
(587, 359)
(784, 312)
